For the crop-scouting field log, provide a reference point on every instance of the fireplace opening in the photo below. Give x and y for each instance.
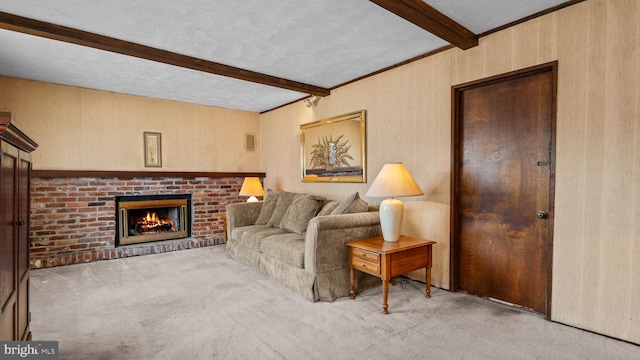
(152, 218)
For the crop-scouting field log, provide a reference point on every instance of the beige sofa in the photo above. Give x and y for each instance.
(298, 241)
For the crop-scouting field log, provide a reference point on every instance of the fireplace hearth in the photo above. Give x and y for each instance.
(148, 218)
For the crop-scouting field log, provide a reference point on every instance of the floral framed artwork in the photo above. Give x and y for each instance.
(333, 150)
(152, 149)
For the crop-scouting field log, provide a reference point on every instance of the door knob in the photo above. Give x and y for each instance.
(541, 214)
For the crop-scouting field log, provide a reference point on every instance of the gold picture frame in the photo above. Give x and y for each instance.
(334, 149)
(152, 149)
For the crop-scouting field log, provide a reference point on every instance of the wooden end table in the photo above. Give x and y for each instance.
(388, 260)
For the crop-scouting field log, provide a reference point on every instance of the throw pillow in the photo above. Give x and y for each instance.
(328, 208)
(357, 206)
(284, 201)
(344, 204)
(303, 208)
(268, 206)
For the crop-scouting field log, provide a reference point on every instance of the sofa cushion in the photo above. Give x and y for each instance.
(288, 248)
(303, 208)
(344, 204)
(351, 204)
(284, 201)
(268, 206)
(328, 208)
(357, 206)
(251, 236)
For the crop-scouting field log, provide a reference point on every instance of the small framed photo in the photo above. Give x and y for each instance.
(152, 149)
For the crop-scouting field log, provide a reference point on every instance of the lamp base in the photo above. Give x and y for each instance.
(391, 212)
(252, 199)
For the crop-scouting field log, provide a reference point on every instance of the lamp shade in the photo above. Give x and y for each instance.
(251, 187)
(393, 180)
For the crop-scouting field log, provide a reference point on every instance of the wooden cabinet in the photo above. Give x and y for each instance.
(15, 178)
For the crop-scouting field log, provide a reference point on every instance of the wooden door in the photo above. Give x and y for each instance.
(503, 188)
(8, 249)
(24, 244)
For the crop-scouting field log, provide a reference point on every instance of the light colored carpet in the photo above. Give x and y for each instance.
(197, 304)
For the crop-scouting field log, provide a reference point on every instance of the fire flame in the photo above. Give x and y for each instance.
(152, 220)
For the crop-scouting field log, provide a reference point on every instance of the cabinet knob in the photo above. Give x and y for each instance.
(20, 222)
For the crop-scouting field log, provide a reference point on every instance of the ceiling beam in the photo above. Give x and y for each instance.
(423, 15)
(96, 41)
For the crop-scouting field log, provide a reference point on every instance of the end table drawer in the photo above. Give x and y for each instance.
(364, 264)
(366, 255)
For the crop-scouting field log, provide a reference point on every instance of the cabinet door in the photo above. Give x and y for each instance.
(8, 248)
(23, 243)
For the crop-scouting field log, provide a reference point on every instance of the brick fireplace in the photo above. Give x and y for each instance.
(73, 213)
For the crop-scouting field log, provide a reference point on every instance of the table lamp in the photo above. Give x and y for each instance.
(251, 187)
(393, 180)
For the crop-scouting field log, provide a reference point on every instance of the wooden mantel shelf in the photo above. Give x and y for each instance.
(138, 174)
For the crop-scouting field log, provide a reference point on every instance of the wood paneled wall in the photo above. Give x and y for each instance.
(596, 268)
(597, 246)
(82, 129)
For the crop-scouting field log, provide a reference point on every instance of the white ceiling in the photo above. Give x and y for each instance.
(322, 43)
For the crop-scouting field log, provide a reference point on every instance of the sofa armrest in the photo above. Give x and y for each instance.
(326, 235)
(242, 214)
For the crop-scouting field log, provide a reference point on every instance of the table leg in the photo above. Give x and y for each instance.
(385, 296)
(428, 282)
(352, 281)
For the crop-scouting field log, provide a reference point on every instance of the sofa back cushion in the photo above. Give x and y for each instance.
(268, 206)
(352, 204)
(284, 201)
(328, 207)
(357, 206)
(302, 209)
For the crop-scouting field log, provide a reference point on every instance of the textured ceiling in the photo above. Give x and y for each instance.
(323, 43)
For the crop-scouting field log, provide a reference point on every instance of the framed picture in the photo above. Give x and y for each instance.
(249, 142)
(333, 150)
(152, 149)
